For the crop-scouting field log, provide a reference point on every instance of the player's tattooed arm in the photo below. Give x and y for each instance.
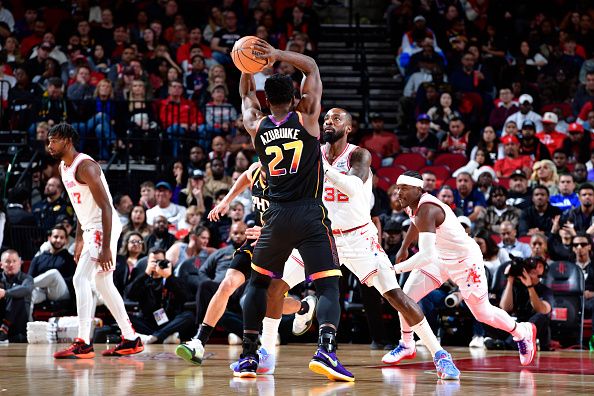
(360, 164)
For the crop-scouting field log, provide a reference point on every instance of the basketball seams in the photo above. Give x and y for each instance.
(240, 51)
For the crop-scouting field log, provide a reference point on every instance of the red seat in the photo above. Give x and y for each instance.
(390, 174)
(452, 161)
(442, 173)
(450, 182)
(496, 238)
(383, 183)
(525, 239)
(410, 161)
(376, 160)
(566, 110)
(504, 182)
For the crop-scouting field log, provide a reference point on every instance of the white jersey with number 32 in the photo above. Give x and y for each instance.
(87, 211)
(346, 212)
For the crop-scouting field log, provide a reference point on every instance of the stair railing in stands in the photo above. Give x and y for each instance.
(361, 60)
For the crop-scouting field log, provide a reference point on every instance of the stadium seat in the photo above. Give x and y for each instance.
(410, 161)
(504, 182)
(383, 183)
(452, 161)
(450, 182)
(376, 160)
(525, 239)
(391, 173)
(565, 109)
(566, 280)
(496, 238)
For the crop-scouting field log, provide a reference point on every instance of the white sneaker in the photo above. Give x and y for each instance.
(302, 323)
(172, 339)
(399, 353)
(192, 351)
(477, 342)
(234, 339)
(527, 345)
(147, 339)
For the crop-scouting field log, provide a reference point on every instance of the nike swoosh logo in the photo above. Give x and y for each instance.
(333, 361)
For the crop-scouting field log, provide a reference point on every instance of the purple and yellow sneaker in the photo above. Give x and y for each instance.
(326, 363)
(446, 369)
(247, 366)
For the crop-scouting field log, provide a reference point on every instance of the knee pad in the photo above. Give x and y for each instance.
(324, 285)
(260, 281)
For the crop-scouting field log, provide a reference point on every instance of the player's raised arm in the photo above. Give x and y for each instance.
(89, 172)
(250, 106)
(238, 187)
(351, 183)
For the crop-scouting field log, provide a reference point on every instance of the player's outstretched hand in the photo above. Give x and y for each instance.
(401, 255)
(253, 233)
(265, 51)
(220, 210)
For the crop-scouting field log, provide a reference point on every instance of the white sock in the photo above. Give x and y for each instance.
(269, 333)
(84, 329)
(407, 336)
(426, 335)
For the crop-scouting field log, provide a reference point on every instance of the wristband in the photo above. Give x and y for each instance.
(530, 287)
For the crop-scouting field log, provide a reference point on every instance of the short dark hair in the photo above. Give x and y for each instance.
(59, 227)
(586, 186)
(279, 89)
(498, 189)
(428, 172)
(567, 175)
(56, 81)
(118, 198)
(157, 250)
(64, 131)
(541, 187)
(560, 151)
(413, 173)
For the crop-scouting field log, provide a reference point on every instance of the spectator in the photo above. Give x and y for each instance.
(560, 161)
(529, 300)
(493, 256)
(468, 198)
(549, 136)
(544, 173)
(429, 182)
(442, 114)
(161, 296)
(137, 222)
(584, 94)
(15, 298)
(582, 217)
(68, 223)
(567, 198)
(581, 174)
(468, 78)
(484, 178)
(505, 106)
(223, 40)
(194, 39)
(53, 106)
(510, 243)
(130, 253)
(123, 206)
(192, 246)
(539, 216)
(456, 140)
(578, 145)
(526, 113)
(36, 65)
(18, 210)
(160, 238)
(512, 161)
(53, 206)
(52, 271)
(412, 42)
(81, 89)
(192, 194)
(147, 195)
(198, 159)
(193, 217)
(498, 212)
(381, 141)
(197, 80)
(423, 142)
(582, 249)
(172, 212)
(219, 116)
(215, 23)
(489, 143)
(559, 242)
(531, 145)
(216, 181)
(510, 128)
(392, 239)
(446, 195)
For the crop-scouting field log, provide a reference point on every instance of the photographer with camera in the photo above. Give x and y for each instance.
(161, 296)
(527, 298)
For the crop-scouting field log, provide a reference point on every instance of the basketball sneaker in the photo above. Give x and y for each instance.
(401, 352)
(326, 363)
(126, 347)
(446, 369)
(247, 367)
(527, 345)
(78, 350)
(302, 323)
(266, 363)
(191, 351)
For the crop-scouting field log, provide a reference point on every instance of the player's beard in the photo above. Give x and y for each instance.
(333, 137)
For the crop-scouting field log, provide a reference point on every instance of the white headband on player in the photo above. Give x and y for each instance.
(409, 181)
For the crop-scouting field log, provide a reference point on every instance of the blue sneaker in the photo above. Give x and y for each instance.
(266, 365)
(247, 367)
(326, 363)
(446, 369)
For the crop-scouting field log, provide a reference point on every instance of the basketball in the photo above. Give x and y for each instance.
(244, 57)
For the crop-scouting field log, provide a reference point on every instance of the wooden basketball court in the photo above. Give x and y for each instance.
(31, 370)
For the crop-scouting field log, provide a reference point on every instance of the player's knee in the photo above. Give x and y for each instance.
(277, 288)
(260, 281)
(229, 285)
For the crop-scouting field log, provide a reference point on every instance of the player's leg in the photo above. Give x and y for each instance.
(471, 279)
(113, 300)
(82, 348)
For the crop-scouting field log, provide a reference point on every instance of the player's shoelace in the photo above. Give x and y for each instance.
(523, 347)
(397, 350)
(447, 366)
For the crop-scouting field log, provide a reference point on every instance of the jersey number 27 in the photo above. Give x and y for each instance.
(277, 151)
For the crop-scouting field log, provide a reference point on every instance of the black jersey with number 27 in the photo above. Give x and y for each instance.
(291, 157)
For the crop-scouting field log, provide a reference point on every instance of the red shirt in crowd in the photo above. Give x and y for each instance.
(553, 140)
(506, 166)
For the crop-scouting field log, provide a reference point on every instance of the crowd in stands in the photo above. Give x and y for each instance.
(497, 115)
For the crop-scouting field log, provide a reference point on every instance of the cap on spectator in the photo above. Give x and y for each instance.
(392, 226)
(375, 116)
(550, 118)
(197, 174)
(465, 221)
(575, 127)
(518, 173)
(529, 124)
(419, 18)
(510, 139)
(526, 98)
(163, 184)
(486, 169)
(423, 117)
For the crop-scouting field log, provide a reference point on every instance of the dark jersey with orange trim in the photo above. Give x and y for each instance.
(291, 157)
(259, 201)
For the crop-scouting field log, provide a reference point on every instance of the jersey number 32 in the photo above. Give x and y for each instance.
(333, 195)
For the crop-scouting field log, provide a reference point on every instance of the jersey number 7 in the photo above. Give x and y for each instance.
(278, 153)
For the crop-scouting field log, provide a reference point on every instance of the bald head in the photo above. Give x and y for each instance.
(237, 233)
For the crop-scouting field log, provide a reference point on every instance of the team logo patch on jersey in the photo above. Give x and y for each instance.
(98, 238)
(473, 276)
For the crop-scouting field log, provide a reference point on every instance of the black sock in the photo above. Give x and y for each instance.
(204, 332)
(250, 344)
(304, 308)
(327, 338)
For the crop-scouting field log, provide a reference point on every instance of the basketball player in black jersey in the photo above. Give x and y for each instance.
(287, 143)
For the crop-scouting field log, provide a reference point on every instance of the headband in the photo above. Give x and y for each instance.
(409, 181)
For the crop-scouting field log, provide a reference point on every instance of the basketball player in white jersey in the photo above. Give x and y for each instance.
(97, 232)
(348, 196)
(447, 252)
